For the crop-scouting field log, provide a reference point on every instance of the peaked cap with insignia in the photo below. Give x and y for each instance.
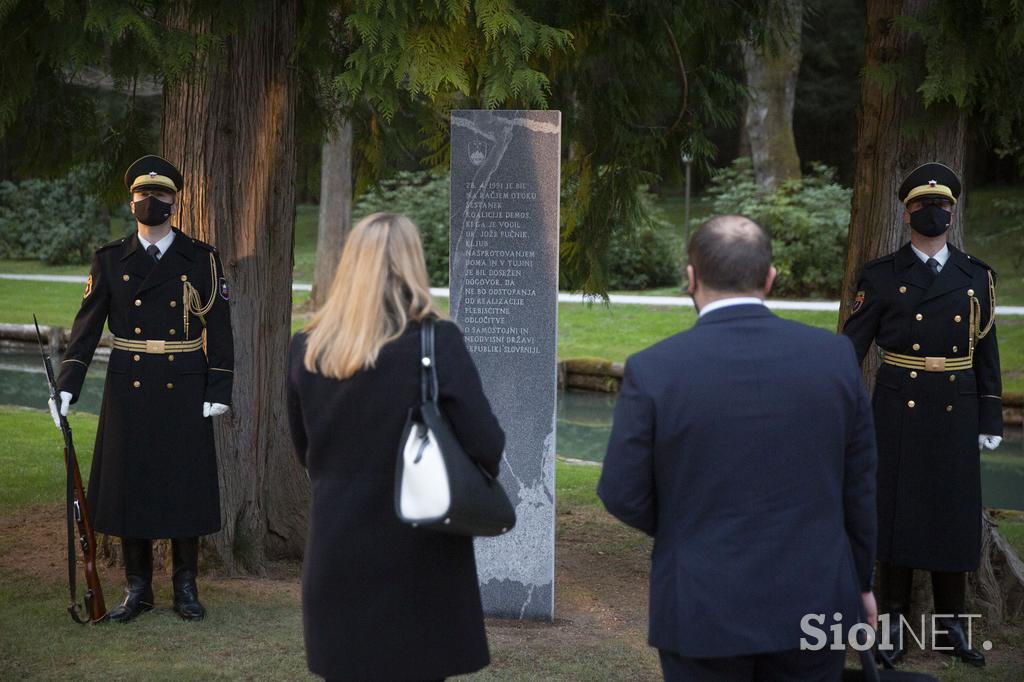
(930, 180)
(153, 172)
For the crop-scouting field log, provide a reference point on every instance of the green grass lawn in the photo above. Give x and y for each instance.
(612, 332)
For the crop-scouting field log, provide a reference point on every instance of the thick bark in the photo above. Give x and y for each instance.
(771, 81)
(895, 135)
(335, 208)
(229, 126)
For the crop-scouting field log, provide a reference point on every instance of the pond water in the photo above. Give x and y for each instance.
(584, 422)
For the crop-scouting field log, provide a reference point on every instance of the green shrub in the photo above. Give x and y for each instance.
(56, 221)
(807, 219)
(425, 198)
(648, 258)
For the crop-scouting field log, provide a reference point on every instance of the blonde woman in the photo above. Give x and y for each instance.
(382, 600)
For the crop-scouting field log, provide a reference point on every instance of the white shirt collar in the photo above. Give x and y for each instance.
(942, 256)
(163, 244)
(726, 302)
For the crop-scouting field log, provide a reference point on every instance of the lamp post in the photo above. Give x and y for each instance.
(687, 159)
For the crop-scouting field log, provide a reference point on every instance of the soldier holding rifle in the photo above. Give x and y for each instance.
(154, 470)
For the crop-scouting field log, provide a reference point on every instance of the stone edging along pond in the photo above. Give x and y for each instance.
(584, 374)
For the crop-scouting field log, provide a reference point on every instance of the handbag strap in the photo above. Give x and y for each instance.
(428, 362)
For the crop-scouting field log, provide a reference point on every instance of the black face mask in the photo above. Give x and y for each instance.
(931, 220)
(151, 211)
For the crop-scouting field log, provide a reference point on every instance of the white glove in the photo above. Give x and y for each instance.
(65, 403)
(214, 409)
(990, 442)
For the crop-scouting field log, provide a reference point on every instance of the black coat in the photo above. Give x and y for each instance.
(154, 468)
(745, 446)
(382, 600)
(927, 422)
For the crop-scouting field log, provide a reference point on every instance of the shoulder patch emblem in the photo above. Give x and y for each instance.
(225, 290)
(858, 302)
(88, 288)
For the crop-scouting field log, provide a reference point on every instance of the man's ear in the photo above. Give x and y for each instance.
(691, 280)
(772, 272)
(906, 216)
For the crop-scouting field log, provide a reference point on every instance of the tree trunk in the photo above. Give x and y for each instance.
(771, 81)
(335, 209)
(229, 126)
(894, 135)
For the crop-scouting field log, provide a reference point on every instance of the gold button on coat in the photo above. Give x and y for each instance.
(913, 374)
(125, 277)
(172, 332)
(136, 357)
(138, 302)
(954, 349)
(911, 403)
(903, 290)
(957, 318)
(949, 408)
(170, 358)
(919, 317)
(174, 304)
(970, 292)
(952, 377)
(184, 278)
(136, 384)
(916, 346)
(169, 386)
(138, 330)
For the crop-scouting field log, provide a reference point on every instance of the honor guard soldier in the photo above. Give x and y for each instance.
(930, 309)
(154, 469)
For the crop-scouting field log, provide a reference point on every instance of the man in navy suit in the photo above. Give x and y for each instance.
(746, 447)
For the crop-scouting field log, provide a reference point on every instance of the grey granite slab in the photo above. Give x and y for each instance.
(505, 172)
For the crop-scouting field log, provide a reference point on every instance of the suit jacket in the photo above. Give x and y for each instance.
(382, 600)
(745, 446)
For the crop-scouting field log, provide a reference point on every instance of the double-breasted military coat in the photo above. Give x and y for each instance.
(927, 419)
(154, 469)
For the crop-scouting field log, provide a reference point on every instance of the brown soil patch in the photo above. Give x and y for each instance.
(601, 586)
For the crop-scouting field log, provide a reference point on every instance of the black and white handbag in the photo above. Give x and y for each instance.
(437, 485)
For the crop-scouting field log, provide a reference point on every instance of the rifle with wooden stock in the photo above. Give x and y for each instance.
(77, 515)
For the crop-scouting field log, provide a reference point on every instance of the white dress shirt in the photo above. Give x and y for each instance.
(163, 244)
(726, 302)
(942, 256)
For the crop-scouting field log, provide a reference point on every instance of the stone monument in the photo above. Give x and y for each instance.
(504, 294)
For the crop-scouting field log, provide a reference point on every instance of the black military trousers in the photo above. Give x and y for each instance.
(949, 590)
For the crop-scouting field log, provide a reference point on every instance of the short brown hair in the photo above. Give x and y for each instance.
(731, 253)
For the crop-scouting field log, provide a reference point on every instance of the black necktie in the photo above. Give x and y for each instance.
(153, 252)
(933, 265)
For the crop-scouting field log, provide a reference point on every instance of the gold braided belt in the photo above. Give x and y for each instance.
(927, 364)
(157, 346)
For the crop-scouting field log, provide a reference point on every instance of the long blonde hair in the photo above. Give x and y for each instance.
(381, 284)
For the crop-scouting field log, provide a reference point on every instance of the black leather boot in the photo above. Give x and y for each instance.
(138, 571)
(185, 557)
(949, 591)
(955, 643)
(897, 583)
